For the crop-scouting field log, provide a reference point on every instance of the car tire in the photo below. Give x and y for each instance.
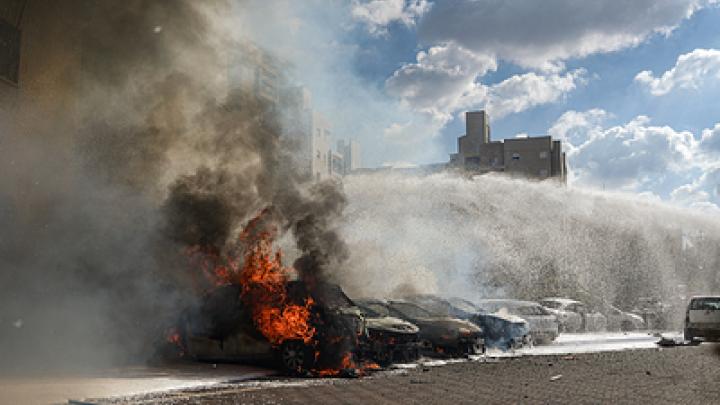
(688, 336)
(474, 348)
(384, 357)
(296, 357)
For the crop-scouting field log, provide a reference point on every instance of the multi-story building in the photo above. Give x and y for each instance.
(350, 152)
(533, 157)
(309, 134)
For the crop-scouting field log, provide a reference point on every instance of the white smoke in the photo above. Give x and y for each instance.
(496, 236)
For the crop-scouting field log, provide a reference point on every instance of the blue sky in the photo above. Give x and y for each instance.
(632, 90)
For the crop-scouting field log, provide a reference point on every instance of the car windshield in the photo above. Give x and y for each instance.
(374, 310)
(552, 304)
(436, 305)
(463, 305)
(526, 310)
(333, 296)
(515, 308)
(705, 304)
(411, 310)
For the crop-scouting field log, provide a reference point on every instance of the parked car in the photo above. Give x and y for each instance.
(621, 320)
(391, 339)
(438, 333)
(221, 329)
(702, 318)
(503, 331)
(543, 324)
(574, 316)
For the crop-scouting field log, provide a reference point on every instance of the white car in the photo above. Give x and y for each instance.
(623, 321)
(574, 316)
(543, 324)
(702, 318)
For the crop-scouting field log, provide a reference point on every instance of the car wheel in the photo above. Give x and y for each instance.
(295, 357)
(384, 357)
(475, 347)
(688, 336)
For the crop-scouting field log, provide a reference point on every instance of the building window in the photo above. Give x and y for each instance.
(543, 155)
(515, 156)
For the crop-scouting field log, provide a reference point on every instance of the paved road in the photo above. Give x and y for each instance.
(44, 388)
(657, 376)
(607, 373)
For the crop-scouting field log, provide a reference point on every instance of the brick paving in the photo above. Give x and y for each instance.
(686, 375)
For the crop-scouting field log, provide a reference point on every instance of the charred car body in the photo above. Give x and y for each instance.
(437, 333)
(391, 339)
(221, 329)
(503, 331)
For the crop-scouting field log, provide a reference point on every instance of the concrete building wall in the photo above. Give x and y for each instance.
(321, 136)
(529, 156)
(534, 157)
(350, 152)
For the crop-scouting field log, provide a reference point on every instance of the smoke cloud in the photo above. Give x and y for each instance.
(492, 236)
(134, 149)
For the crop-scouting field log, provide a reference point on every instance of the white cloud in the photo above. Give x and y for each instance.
(522, 92)
(691, 71)
(445, 80)
(703, 193)
(542, 34)
(378, 14)
(710, 143)
(639, 157)
(573, 127)
(632, 156)
(439, 80)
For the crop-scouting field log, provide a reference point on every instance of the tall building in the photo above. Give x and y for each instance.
(533, 157)
(350, 151)
(253, 71)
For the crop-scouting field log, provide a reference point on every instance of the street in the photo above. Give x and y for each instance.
(598, 368)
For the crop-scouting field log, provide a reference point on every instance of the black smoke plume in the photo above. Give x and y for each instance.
(126, 145)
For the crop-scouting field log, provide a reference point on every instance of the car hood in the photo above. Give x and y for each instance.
(507, 317)
(390, 324)
(446, 325)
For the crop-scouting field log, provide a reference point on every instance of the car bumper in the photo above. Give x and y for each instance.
(706, 334)
(544, 336)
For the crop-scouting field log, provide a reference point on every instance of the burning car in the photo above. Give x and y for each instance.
(503, 331)
(574, 316)
(438, 333)
(391, 339)
(221, 329)
(543, 324)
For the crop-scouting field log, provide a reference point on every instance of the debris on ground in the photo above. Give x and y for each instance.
(556, 377)
(674, 341)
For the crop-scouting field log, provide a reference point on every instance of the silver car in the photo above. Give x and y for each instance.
(574, 316)
(622, 321)
(544, 326)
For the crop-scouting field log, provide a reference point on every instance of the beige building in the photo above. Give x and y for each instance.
(350, 152)
(533, 157)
